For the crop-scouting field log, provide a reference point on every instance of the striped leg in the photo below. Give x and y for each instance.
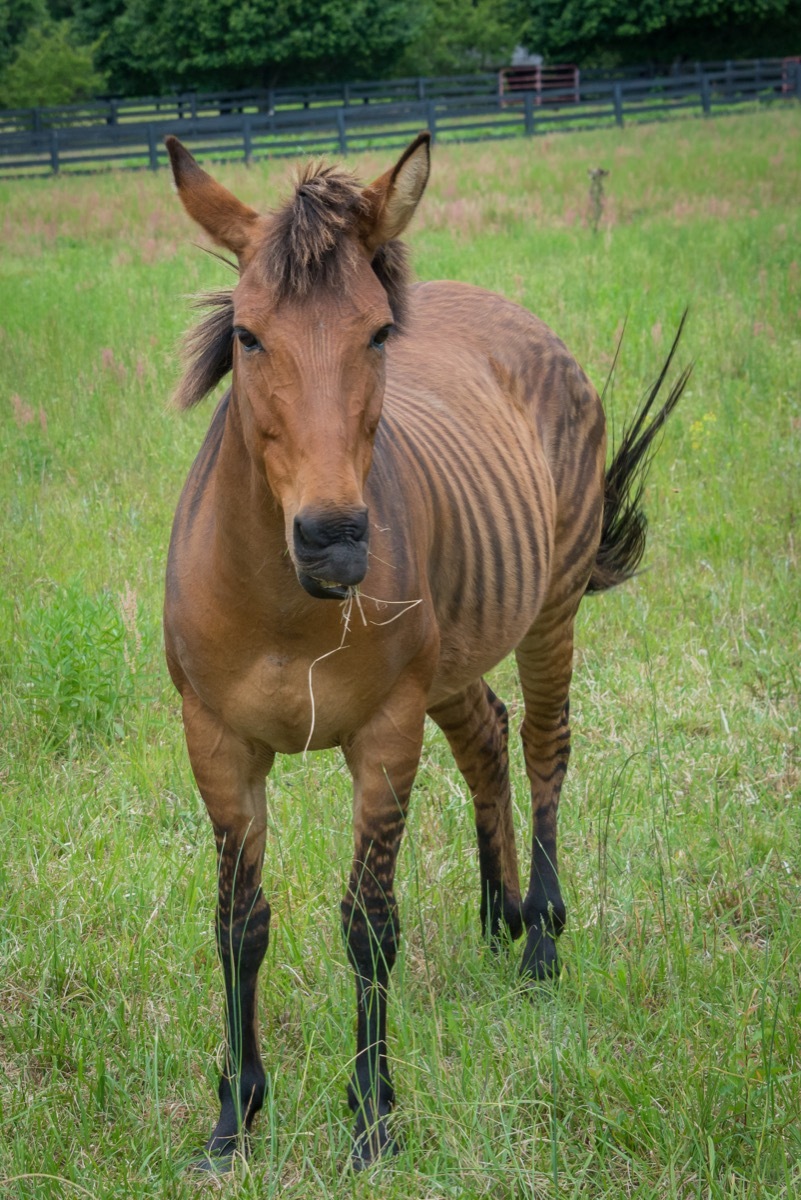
(476, 724)
(231, 777)
(383, 759)
(545, 661)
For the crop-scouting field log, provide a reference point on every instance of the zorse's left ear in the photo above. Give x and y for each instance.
(227, 220)
(393, 197)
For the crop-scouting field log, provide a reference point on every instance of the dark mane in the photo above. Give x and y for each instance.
(308, 241)
(209, 349)
(307, 246)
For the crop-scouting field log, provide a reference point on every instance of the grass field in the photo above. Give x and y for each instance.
(666, 1062)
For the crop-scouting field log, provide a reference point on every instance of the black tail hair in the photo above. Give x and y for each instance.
(624, 522)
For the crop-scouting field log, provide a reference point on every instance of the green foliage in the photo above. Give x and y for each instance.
(77, 681)
(16, 17)
(457, 36)
(615, 31)
(49, 68)
(157, 45)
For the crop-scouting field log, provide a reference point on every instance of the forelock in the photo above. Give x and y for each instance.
(307, 241)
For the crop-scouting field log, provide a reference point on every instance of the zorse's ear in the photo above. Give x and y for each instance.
(393, 197)
(225, 219)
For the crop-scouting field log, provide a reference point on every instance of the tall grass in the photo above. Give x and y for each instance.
(666, 1061)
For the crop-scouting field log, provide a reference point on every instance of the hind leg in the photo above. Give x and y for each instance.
(476, 725)
(545, 661)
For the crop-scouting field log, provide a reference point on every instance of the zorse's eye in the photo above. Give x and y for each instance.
(379, 337)
(246, 339)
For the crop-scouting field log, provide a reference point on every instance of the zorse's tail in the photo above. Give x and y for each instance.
(624, 522)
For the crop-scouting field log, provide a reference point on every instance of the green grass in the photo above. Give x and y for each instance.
(667, 1060)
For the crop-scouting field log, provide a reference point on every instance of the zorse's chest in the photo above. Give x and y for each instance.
(287, 691)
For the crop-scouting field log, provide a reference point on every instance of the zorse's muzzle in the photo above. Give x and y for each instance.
(330, 551)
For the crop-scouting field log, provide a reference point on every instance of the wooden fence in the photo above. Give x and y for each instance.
(466, 115)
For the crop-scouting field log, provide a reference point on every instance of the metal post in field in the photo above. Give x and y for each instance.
(618, 100)
(346, 93)
(421, 88)
(528, 113)
(343, 137)
(153, 148)
(54, 151)
(431, 117)
(247, 138)
(706, 96)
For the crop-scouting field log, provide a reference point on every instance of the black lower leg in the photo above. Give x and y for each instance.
(371, 938)
(543, 914)
(543, 907)
(242, 944)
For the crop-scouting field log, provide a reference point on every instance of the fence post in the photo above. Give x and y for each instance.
(618, 99)
(706, 96)
(343, 137)
(346, 93)
(153, 147)
(421, 88)
(798, 80)
(431, 116)
(54, 151)
(528, 113)
(247, 143)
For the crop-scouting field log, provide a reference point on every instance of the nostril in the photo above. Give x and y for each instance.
(314, 532)
(360, 525)
(301, 534)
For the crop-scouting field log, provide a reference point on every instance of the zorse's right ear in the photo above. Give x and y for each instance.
(225, 219)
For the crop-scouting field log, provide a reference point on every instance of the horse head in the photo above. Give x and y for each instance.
(320, 296)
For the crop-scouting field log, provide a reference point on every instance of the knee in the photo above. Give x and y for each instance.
(372, 935)
(243, 936)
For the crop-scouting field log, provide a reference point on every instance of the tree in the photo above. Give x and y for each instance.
(608, 32)
(49, 68)
(158, 45)
(16, 18)
(458, 36)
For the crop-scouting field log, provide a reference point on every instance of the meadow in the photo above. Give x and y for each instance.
(666, 1060)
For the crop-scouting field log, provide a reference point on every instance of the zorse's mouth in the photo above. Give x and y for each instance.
(330, 552)
(324, 589)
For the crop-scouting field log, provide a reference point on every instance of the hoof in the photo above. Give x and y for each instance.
(372, 1145)
(220, 1155)
(540, 961)
(212, 1164)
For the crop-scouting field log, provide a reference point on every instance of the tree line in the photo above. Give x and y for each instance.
(59, 51)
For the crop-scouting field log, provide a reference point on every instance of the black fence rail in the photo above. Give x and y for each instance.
(194, 105)
(453, 115)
